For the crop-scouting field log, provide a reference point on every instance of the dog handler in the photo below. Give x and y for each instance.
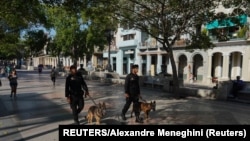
(132, 94)
(74, 91)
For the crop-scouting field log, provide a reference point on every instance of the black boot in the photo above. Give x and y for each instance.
(138, 119)
(123, 116)
(76, 122)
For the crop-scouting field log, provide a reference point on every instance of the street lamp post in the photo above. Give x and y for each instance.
(109, 34)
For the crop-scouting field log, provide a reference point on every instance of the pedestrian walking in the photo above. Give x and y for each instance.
(238, 85)
(13, 82)
(132, 94)
(7, 70)
(75, 88)
(53, 75)
(40, 68)
(82, 70)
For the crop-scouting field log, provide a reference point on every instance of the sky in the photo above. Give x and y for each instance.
(51, 32)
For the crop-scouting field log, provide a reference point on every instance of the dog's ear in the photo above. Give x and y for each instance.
(99, 104)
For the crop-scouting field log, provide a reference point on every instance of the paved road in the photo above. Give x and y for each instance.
(40, 108)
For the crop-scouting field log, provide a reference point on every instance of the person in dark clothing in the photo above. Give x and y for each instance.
(13, 82)
(238, 85)
(132, 94)
(75, 88)
(82, 70)
(53, 75)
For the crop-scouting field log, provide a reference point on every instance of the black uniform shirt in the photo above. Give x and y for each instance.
(132, 87)
(75, 85)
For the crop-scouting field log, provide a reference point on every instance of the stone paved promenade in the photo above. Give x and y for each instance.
(40, 108)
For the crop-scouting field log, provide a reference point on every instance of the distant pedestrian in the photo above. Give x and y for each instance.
(238, 85)
(7, 70)
(13, 82)
(53, 75)
(82, 70)
(40, 68)
(2, 71)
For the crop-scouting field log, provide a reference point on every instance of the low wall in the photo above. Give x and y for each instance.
(223, 90)
(198, 92)
(107, 77)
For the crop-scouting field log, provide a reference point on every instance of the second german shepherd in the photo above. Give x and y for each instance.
(96, 112)
(146, 108)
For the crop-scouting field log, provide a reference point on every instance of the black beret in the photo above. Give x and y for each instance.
(135, 66)
(72, 67)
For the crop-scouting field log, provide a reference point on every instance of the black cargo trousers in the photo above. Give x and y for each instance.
(77, 105)
(136, 105)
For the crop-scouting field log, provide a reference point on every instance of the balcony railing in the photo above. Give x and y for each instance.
(178, 43)
(230, 37)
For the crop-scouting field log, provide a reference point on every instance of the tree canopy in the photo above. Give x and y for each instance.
(79, 28)
(15, 16)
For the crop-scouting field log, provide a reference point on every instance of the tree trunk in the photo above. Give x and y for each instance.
(75, 56)
(176, 84)
(75, 62)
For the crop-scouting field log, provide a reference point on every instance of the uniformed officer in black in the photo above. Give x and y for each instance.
(75, 88)
(132, 94)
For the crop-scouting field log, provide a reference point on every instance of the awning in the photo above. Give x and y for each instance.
(226, 22)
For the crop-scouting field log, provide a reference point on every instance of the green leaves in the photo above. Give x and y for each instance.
(36, 41)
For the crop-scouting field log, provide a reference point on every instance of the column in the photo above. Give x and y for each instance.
(225, 66)
(148, 64)
(233, 74)
(176, 65)
(140, 64)
(190, 70)
(238, 68)
(119, 62)
(218, 64)
(85, 61)
(79, 61)
(245, 67)
(209, 66)
(159, 63)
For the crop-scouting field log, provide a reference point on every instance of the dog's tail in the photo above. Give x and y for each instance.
(86, 117)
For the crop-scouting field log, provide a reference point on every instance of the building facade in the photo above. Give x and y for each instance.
(228, 59)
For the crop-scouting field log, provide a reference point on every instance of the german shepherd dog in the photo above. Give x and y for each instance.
(97, 112)
(146, 108)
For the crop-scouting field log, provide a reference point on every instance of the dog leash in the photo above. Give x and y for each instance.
(143, 99)
(92, 99)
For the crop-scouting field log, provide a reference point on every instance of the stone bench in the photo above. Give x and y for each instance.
(245, 92)
(154, 82)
